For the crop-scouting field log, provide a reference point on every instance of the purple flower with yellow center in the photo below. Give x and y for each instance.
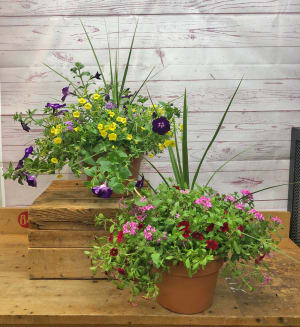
(161, 125)
(31, 181)
(65, 92)
(70, 125)
(140, 183)
(28, 151)
(110, 105)
(102, 191)
(25, 127)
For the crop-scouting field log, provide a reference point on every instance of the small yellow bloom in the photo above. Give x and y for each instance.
(87, 106)
(58, 126)
(96, 96)
(113, 147)
(76, 114)
(54, 160)
(143, 128)
(107, 127)
(124, 120)
(181, 127)
(119, 119)
(136, 141)
(153, 106)
(167, 143)
(59, 176)
(129, 137)
(112, 136)
(112, 126)
(52, 130)
(111, 113)
(161, 147)
(76, 129)
(57, 131)
(172, 143)
(81, 100)
(161, 111)
(57, 140)
(170, 133)
(133, 110)
(150, 112)
(100, 126)
(150, 155)
(103, 133)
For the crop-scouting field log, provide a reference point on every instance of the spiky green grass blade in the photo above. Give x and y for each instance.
(175, 166)
(159, 173)
(109, 52)
(138, 91)
(185, 155)
(214, 137)
(178, 157)
(91, 45)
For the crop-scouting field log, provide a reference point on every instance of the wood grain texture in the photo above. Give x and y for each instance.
(99, 303)
(9, 221)
(129, 7)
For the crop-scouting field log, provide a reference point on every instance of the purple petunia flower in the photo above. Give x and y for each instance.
(102, 191)
(31, 181)
(60, 112)
(55, 106)
(20, 164)
(65, 92)
(25, 127)
(107, 97)
(110, 105)
(161, 125)
(97, 75)
(140, 183)
(28, 151)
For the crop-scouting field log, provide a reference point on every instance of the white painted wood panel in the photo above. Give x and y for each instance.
(188, 31)
(136, 7)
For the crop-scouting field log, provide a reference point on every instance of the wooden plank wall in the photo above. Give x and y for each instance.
(205, 46)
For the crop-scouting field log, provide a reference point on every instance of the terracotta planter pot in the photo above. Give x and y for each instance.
(134, 168)
(182, 294)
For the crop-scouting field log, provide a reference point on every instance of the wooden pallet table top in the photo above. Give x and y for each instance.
(99, 303)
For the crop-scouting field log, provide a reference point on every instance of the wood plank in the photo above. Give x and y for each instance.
(60, 302)
(113, 7)
(154, 30)
(10, 220)
(62, 239)
(285, 217)
(70, 263)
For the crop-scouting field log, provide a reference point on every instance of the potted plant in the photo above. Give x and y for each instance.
(103, 131)
(170, 242)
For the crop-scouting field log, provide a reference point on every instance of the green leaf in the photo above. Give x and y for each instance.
(104, 165)
(185, 155)
(188, 263)
(124, 172)
(90, 171)
(162, 177)
(214, 136)
(118, 188)
(236, 247)
(156, 259)
(175, 166)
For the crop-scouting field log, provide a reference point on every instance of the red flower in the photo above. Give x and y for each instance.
(198, 236)
(121, 271)
(259, 258)
(185, 224)
(211, 244)
(114, 252)
(241, 228)
(210, 227)
(224, 228)
(177, 187)
(111, 237)
(140, 226)
(120, 236)
(186, 233)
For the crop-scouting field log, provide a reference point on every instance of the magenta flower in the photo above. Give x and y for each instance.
(161, 125)
(266, 280)
(102, 191)
(204, 201)
(239, 206)
(257, 214)
(229, 198)
(148, 232)
(185, 191)
(276, 219)
(248, 194)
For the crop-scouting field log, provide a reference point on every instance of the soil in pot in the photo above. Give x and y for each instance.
(182, 294)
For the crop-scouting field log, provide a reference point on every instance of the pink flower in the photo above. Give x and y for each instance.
(148, 232)
(257, 214)
(143, 199)
(229, 198)
(266, 280)
(177, 215)
(277, 220)
(165, 235)
(140, 217)
(146, 208)
(204, 201)
(187, 191)
(125, 228)
(248, 194)
(240, 206)
(130, 227)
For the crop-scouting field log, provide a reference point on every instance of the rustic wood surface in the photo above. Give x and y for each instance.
(224, 40)
(99, 303)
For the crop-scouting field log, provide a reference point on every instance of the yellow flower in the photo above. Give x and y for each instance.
(59, 176)
(76, 129)
(170, 133)
(57, 131)
(124, 120)
(87, 106)
(161, 111)
(100, 126)
(153, 106)
(111, 113)
(103, 133)
(150, 155)
(133, 110)
(107, 127)
(143, 128)
(54, 160)
(112, 136)
(57, 140)
(96, 96)
(150, 112)
(136, 141)
(119, 119)
(172, 143)
(58, 126)
(112, 126)
(76, 114)
(161, 147)
(167, 143)
(181, 127)
(81, 100)
(113, 147)
(129, 137)
(52, 130)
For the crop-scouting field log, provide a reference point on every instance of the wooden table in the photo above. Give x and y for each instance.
(99, 303)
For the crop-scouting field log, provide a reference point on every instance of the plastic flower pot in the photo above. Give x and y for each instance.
(188, 295)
